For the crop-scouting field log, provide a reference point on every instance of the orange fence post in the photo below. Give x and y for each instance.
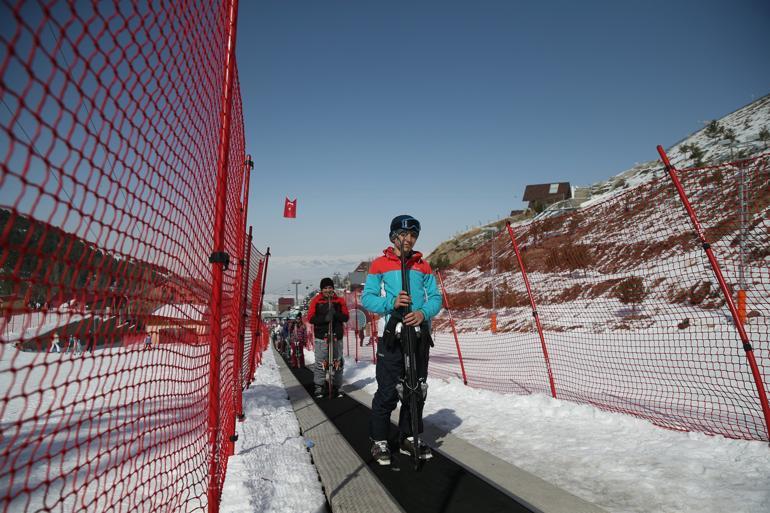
(742, 306)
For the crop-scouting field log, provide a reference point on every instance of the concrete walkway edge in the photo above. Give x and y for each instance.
(349, 485)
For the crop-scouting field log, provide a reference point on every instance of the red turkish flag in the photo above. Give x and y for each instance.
(290, 208)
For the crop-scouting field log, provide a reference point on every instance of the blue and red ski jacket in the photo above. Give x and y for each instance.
(385, 274)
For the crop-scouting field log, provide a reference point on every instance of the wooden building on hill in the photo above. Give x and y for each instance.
(539, 196)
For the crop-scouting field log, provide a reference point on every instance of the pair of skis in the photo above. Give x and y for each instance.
(330, 370)
(411, 389)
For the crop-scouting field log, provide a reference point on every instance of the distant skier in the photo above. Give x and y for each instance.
(286, 347)
(298, 340)
(425, 302)
(74, 346)
(148, 342)
(326, 308)
(55, 348)
(275, 336)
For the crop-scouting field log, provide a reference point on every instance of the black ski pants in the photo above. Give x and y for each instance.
(390, 370)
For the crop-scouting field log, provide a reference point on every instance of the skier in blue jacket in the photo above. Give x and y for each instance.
(383, 294)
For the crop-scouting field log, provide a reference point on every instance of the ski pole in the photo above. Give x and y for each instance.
(407, 336)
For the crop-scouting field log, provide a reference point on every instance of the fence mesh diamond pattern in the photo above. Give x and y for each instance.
(111, 124)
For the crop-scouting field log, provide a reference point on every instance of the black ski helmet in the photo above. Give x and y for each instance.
(403, 222)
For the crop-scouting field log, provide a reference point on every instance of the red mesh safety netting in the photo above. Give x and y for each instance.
(360, 330)
(111, 122)
(633, 318)
(255, 341)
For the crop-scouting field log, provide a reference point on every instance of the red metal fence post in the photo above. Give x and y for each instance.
(256, 321)
(347, 338)
(534, 309)
(452, 323)
(262, 335)
(373, 340)
(219, 259)
(748, 349)
(244, 310)
(355, 304)
(239, 293)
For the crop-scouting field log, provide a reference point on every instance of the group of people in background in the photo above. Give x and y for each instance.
(73, 345)
(289, 337)
(385, 296)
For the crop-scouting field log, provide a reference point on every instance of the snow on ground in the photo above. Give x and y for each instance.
(622, 463)
(619, 462)
(271, 470)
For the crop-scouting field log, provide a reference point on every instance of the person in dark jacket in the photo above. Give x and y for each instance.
(325, 308)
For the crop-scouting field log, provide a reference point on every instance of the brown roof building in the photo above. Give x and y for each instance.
(544, 194)
(357, 278)
(285, 303)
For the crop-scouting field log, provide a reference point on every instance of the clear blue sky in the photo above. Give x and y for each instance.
(446, 109)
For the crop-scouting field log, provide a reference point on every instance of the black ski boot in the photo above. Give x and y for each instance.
(407, 447)
(381, 452)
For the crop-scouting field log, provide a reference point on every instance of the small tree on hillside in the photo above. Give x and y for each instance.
(631, 291)
(694, 152)
(441, 262)
(713, 129)
(764, 135)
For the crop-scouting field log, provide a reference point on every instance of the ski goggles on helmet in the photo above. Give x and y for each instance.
(410, 225)
(402, 224)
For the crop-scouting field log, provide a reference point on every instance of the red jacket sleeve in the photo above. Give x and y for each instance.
(311, 309)
(344, 314)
